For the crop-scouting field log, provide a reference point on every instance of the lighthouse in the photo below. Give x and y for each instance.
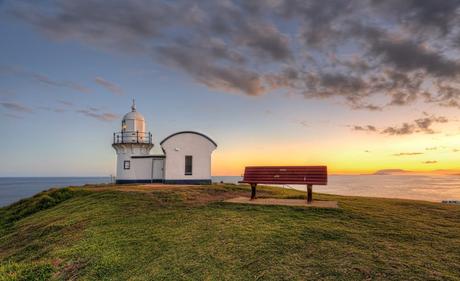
(186, 157)
(131, 141)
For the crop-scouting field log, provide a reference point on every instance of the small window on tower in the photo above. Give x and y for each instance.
(127, 165)
(123, 125)
(188, 165)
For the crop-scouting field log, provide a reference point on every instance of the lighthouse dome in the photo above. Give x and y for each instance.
(133, 121)
(133, 115)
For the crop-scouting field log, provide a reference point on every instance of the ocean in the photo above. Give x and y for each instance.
(417, 187)
(14, 189)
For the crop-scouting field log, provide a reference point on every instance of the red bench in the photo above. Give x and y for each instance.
(308, 175)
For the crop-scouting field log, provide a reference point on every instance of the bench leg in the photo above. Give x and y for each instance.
(309, 193)
(253, 191)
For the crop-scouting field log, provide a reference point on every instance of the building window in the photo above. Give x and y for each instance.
(127, 165)
(188, 165)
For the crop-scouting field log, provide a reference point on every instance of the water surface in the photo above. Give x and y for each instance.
(14, 189)
(418, 187)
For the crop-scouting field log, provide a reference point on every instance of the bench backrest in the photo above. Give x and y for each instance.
(314, 175)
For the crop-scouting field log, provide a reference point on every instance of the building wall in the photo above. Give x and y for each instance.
(180, 145)
(140, 168)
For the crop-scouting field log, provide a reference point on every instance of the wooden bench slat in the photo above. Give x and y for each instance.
(305, 175)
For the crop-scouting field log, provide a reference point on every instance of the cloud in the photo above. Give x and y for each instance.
(358, 52)
(96, 114)
(227, 78)
(109, 86)
(404, 129)
(433, 15)
(12, 116)
(43, 79)
(304, 123)
(368, 128)
(420, 125)
(66, 103)
(17, 107)
(431, 148)
(407, 55)
(430, 162)
(424, 124)
(52, 109)
(407, 154)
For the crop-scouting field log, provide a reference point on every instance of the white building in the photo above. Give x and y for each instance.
(186, 158)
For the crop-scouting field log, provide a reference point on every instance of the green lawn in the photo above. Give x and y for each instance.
(96, 233)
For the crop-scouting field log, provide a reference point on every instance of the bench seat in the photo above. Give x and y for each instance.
(300, 175)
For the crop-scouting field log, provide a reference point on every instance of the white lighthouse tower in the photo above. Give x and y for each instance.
(131, 141)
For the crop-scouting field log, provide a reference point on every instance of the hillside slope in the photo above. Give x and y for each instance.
(187, 233)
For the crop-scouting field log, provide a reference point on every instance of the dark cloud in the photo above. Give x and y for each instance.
(265, 40)
(206, 71)
(121, 24)
(357, 51)
(17, 107)
(109, 86)
(96, 114)
(436, 15)
(431, 148)
(407, 55)
(445, 95)
(430, 162)
(407, 153)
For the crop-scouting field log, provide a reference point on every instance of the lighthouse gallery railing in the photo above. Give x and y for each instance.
(132, 137)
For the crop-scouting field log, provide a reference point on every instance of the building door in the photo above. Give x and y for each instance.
(158, 169)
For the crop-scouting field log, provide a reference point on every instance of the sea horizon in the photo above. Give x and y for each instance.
(434, 188)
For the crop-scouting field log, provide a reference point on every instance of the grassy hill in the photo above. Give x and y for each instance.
(188, 233)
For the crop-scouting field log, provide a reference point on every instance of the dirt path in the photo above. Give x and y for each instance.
(284, 202)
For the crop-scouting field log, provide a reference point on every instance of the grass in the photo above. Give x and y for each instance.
(134, 233)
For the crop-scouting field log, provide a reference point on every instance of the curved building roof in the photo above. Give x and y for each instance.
(189, 132)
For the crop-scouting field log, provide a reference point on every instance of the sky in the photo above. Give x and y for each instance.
(357, 85)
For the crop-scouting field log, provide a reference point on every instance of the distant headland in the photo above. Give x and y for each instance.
(387, 172)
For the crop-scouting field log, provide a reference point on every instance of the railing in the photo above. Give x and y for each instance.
(132, 137)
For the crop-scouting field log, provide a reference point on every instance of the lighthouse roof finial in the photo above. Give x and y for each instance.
(133, 107)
